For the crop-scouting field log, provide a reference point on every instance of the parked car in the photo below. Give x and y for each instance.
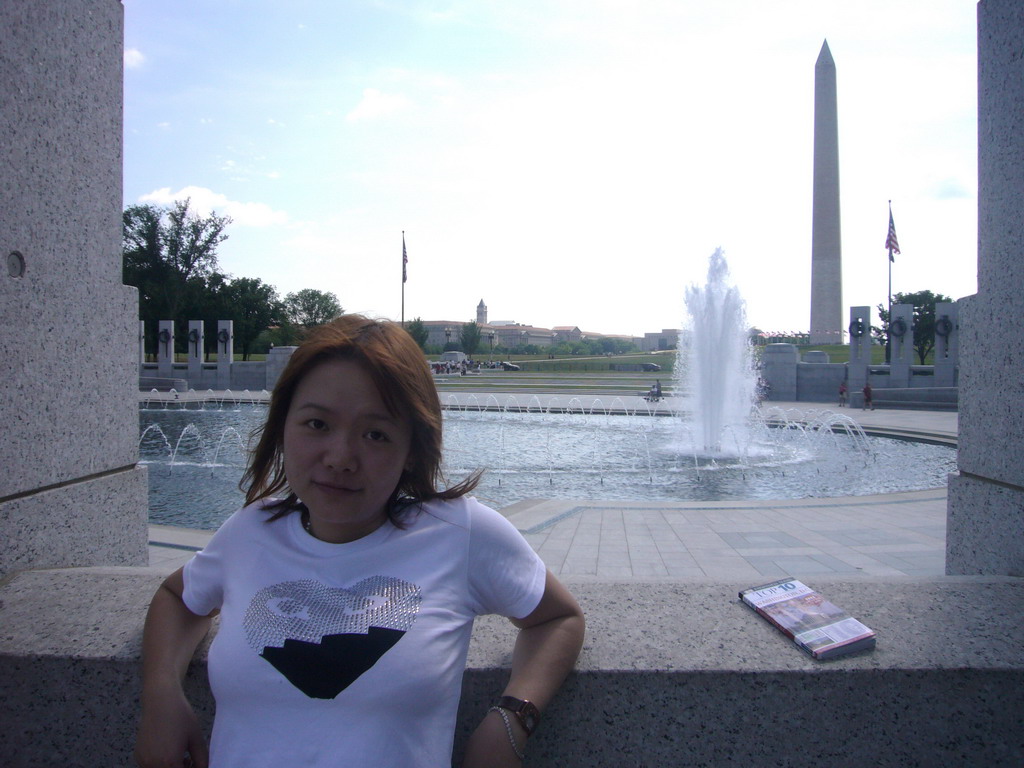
(510, 367)
(651, 367)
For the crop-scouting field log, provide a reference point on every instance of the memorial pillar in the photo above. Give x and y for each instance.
(860, 352)
(196, 349)
(947, 344)
(225, 352)
(142, 345)
(165, 349)
(901, 344)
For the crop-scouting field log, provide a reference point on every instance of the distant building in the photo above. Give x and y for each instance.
(568, 333)
(667, 339)
(509, 334)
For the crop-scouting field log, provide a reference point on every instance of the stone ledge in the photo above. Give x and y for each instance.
(672, 673)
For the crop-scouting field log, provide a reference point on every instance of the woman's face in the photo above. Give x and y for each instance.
(343, 451)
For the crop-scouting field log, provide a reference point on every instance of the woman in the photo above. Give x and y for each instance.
(348, 584)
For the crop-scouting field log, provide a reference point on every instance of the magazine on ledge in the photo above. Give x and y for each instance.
(817, 626)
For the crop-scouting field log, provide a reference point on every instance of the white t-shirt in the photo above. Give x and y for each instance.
(351, 654)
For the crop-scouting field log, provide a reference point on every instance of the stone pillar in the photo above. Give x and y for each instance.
(901, 351)
(985, 519)
(142, 345)
(860, 352)
(947, 344)
(196, 349)
(225, 352)
(71, 493)
(165, 349)
(779, 370)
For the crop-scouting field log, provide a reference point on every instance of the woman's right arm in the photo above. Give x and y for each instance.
(169, 732)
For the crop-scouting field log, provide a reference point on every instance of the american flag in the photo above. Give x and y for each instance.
(890, 242)
(404, 258)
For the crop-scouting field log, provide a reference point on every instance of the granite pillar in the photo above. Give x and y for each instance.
(165, 349)
(985, 519)
(225, 352)
(860, 352)
(947, 344)
(901, 344)
(142, 345)
(196, 349)
(71, 493)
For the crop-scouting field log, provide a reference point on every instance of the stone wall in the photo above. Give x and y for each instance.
(671, 674)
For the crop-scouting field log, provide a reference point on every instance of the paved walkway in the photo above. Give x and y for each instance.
(892, 535)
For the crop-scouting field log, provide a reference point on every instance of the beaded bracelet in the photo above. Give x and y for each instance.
(508, 727)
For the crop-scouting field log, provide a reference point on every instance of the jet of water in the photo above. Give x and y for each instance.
(716, 368)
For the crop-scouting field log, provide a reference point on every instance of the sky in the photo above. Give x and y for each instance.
(570, 162)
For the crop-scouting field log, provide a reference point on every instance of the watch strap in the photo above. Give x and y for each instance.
(526, 712)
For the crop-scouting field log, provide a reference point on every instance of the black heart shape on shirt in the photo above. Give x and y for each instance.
(325, 669)
(322, 638)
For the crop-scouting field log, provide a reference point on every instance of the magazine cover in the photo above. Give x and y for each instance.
(815, 624)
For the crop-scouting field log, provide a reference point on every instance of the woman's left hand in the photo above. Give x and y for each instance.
(489, 746)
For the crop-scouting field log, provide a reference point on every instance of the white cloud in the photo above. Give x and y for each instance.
(133, 58)
(204, 201)
(376, 104)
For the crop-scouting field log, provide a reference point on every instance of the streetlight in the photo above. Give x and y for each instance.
(490, 338)
(447, 338)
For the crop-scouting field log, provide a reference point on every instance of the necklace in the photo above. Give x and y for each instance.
(307, 526)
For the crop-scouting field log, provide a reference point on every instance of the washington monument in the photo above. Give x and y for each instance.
(826, 248)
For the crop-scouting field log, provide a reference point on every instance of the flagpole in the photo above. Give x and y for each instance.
(888, 325)
(404, 259)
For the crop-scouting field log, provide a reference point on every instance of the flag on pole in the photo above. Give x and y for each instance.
(404, 258)
(891, 242)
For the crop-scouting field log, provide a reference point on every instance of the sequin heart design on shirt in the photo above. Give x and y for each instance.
(323, 638)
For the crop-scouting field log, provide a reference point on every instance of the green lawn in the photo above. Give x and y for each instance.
(840, 353)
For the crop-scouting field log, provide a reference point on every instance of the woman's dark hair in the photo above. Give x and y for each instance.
(400, 372)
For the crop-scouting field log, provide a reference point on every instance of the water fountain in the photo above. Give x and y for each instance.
(713, 446)
(715, 368)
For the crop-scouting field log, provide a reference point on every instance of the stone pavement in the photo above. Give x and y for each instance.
(891, 535)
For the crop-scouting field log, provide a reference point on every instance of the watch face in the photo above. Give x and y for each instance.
(529, 721)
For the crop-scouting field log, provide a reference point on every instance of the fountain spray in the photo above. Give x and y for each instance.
(715, 369)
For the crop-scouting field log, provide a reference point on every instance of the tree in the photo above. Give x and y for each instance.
(253, 306)
(924, 319)
(169, 254)
(310, 307)
(419, 332)
(470, 338)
